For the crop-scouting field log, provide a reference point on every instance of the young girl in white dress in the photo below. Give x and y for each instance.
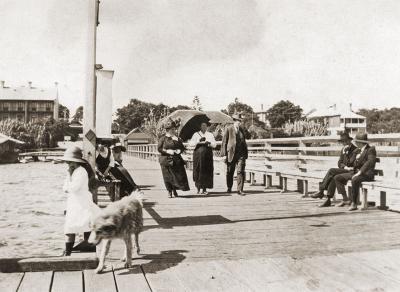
(80, 207)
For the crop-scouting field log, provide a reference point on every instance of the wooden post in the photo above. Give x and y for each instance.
(89, 108)
(382, 203)
(284, 184)
(305, 192)
(104, 103)
(365, 199)
(300, 186)
(269, 181)
(252, 180)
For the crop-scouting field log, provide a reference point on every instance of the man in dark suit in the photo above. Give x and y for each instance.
(345, 164)
(234, 147)
(364, 170)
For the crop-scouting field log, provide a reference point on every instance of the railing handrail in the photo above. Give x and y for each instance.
(295, 145)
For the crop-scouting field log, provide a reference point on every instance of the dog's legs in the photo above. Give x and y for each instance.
(137, 243)
(128, 250)
(104, 251)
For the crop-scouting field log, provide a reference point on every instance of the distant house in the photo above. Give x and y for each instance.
(262, 116)
(28, 103)
(339, 120)
(136, 136)
(7, 149)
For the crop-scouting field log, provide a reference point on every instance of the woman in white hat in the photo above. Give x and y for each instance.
(80, 206)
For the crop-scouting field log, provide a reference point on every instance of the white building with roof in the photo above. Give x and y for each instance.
(28, 103)
(338, 120)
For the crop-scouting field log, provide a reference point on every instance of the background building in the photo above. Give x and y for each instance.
(339, 120)
(28, 103)
(8, 153)
(136, 136)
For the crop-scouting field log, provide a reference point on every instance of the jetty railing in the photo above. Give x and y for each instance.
(324, 148)
(301, 158)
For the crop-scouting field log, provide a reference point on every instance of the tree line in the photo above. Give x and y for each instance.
(285, 119)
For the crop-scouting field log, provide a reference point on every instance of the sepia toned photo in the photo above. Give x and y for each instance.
(199, 145)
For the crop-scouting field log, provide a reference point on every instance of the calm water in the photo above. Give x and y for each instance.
(31, 209)
(32, 206)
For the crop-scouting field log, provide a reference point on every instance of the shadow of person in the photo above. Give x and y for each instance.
(158, 262)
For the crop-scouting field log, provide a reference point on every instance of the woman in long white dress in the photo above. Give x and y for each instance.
(203, 164)
(80, 207)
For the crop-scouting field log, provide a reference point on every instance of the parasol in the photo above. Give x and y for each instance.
(217, 117)
(190, 121)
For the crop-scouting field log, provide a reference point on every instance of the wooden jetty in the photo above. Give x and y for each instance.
(265, 241)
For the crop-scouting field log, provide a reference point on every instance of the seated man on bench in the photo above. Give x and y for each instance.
(364, 170)
(345, 163)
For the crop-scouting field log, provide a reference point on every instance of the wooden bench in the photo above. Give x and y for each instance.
(380, 183)
(107, 191)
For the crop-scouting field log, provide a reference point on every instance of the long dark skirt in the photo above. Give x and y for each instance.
(203, 167)
(175, 177)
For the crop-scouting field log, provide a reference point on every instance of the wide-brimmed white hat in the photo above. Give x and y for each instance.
(74, 154)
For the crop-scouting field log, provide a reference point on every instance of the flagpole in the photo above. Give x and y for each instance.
(89, 108)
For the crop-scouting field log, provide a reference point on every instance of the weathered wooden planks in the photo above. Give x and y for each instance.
(36, 281)
(99, 282)
(67, 281)
(10, 282)
(162, 277)
(132, 279)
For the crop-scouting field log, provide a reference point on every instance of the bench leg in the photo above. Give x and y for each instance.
(365, 199)
(264, 180)
(269, 181)
(284, 185)
(305, 188)
(382, 203)
(252, 180)
(281, 182)
(300, 187)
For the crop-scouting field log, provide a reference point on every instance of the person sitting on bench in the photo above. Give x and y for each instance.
(121, 173)
(364, 170)
(104, 160)
(345, 163)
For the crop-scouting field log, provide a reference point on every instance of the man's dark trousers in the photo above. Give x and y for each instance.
(329, 177)
(230, 171)
(342, 179)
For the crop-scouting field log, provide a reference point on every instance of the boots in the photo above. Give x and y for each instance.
(86, 236)
(353, 207)
(68, 248)
(327, 203)
(317, 195)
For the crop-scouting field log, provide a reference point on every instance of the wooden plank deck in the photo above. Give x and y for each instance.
(265, 241)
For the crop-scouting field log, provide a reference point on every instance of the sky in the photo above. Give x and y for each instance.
(314, 53)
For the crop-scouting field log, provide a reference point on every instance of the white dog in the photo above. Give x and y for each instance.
(120, 219)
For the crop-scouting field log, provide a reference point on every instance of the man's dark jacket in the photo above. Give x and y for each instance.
(365, 163)
(348, 156)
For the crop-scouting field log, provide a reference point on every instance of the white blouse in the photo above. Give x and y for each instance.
(198, 135)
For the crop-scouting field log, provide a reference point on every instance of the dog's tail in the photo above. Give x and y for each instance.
(138, 195)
